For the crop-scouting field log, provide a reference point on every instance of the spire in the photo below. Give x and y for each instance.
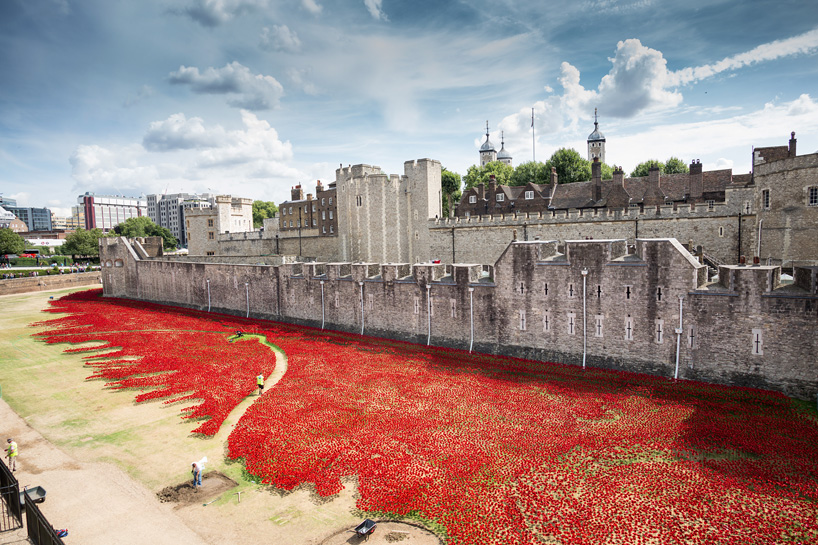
(487, 129)
(596, 123)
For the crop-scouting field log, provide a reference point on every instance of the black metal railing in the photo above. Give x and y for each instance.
(40, 532)
(11, 516)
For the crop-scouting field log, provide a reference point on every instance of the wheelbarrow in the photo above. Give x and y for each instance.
(35, 494)
(366, 528)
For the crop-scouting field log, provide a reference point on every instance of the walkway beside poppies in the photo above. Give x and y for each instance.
(236, 414)
(76, 491)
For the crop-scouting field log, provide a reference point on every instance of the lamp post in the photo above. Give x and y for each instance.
(429, 313)
(584, 319)
(471, 317)
(361, 284)
(322, 304)
(678, 338)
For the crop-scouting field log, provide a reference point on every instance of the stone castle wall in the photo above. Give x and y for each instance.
(745, 330)
(481, 239)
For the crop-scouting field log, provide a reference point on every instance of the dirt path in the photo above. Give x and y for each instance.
(98, 503)
(97, 445)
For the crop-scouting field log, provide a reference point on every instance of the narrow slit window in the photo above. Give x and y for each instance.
(758, 343)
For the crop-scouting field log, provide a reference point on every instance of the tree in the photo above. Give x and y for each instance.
(531, 171)
(480, 175)
(143, 226)
(263, 210)
(450, 183)
(82, 242)
(674, 165)
(643, 168)
(11, 242)
(570, 165)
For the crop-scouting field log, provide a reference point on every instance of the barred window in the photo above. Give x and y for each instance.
(765, 199)
(813, 196)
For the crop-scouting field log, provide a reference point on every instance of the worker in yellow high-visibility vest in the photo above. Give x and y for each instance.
(11, 454)
(260, 383)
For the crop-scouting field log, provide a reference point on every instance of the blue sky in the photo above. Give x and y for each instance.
(250, 97)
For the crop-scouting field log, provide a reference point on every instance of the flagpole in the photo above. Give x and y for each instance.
(533, 144)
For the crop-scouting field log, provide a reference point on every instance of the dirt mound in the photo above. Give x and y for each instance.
(213, 484)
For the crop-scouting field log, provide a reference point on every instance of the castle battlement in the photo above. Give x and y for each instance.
(619, 306)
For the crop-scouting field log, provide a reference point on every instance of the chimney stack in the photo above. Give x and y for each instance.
(596, 177)
(792, 144)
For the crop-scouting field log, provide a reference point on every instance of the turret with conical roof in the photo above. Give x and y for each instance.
(596, 142)
(503, 156)
(487, 151)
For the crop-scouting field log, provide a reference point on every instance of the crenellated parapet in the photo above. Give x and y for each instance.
(645, 307)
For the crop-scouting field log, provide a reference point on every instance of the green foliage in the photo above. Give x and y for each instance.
(531, 171)
(143, 226)
(480, 175)
(674, 165)
(450, 182)
(263, 210)
(570, 165)
(82, 242)
(643, 168)
(11, 242)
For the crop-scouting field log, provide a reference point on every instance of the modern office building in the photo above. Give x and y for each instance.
(36, 219)
(107, 211)
(168, 211)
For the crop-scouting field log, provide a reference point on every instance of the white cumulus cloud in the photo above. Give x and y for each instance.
(375, 9)
(250, 91)
(177, 132)
(188, 154)
(211, 13)
(280, 38)
(312, 6)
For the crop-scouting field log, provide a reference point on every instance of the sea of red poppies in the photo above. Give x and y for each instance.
(485, 449)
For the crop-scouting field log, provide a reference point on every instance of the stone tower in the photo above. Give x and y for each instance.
(385, 218)
(487, 151)
(596, 143)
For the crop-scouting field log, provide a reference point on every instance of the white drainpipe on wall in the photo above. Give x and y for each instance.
(429, 313)
(208, 295)
(247, 297)
(678, 337)
(758, 249)
(362, 306)
(584, 319)
(471, 317)
(322, 304)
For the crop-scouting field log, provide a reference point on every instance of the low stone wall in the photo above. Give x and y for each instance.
(53, 282)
